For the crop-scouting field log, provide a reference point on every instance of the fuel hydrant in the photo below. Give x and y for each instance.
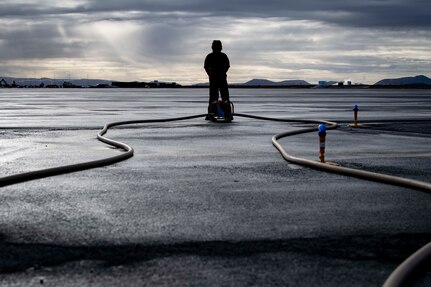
(322, 140)
(355, 114)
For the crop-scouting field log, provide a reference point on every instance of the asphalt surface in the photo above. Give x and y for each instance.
(206, 204)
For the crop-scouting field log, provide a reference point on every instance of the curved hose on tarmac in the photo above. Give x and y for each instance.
(22, 177)
(13, 179)
(389, 179)
(398, 278)
(405, 274)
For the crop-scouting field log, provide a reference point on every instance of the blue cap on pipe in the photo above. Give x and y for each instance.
(355, 108)
(322, 128)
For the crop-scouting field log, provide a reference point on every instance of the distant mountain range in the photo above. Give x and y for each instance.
(36, 82)
(406, 81)
(417, 81)
(264, 82)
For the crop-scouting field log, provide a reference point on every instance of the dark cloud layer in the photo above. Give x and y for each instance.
(276, 39)
(365, 13)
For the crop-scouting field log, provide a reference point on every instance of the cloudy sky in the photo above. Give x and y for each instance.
(363, 41)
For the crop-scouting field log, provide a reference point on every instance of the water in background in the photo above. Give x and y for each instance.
(92, 108)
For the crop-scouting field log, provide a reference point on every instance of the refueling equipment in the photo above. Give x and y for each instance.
(221, 111)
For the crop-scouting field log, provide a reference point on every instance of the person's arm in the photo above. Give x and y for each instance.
(206, 66)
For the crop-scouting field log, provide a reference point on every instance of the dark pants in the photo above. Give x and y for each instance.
(216, 85)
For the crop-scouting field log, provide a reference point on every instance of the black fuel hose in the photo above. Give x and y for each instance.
(32, 175)
(398, 278)
(17, 178)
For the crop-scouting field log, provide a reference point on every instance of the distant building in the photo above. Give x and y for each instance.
(323, 83)
(69, 85)
(4, 84)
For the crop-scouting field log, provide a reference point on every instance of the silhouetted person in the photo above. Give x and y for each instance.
(216, 65)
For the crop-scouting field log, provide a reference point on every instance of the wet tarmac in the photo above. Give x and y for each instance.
(208, 204)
